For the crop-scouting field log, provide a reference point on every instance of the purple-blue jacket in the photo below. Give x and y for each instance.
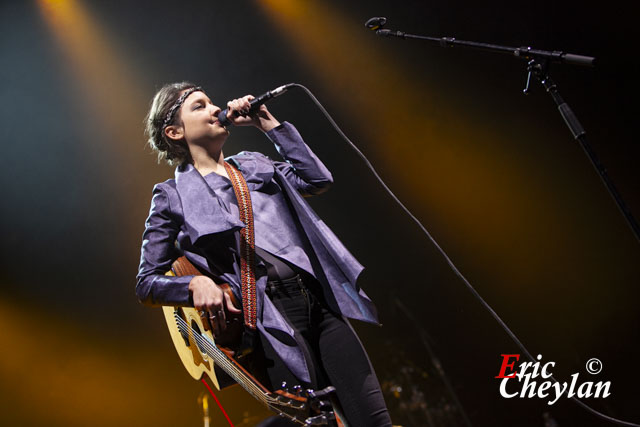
(188, 216)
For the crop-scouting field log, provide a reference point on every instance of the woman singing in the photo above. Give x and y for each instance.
(305, 279)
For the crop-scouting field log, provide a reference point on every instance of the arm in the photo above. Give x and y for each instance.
(301, 168)
(157, 254)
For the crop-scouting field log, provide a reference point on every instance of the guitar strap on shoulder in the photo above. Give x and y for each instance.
(247, 246)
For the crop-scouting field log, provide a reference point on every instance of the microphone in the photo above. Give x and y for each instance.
(255, 103)
(375, 23)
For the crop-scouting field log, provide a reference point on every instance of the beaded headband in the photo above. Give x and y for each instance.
(176, 106)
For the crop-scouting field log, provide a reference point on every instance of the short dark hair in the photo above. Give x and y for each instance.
(174, 152)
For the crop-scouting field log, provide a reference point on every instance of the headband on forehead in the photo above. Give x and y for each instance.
(176, 106)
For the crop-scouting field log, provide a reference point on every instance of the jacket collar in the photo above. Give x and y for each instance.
(204, 213)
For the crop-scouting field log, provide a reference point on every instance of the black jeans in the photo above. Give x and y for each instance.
(332, 350)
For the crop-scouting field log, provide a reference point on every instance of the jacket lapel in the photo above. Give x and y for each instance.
(204, 213)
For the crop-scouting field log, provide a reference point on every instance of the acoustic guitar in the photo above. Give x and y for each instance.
(201, 355)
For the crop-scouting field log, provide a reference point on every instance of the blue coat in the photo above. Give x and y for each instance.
(188, 211)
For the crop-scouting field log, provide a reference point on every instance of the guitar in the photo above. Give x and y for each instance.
(200, 355)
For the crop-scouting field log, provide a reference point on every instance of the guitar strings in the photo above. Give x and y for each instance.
(239, 376)
(232, 370)
(245, 381)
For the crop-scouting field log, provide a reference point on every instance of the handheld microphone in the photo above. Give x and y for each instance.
(255, 103)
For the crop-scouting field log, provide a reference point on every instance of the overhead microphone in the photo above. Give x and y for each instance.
(255, 103)
(375, 23)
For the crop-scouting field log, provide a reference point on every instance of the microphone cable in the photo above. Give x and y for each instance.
(446, 257)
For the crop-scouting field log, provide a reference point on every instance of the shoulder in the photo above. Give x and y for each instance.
(165, 197)
(245, 155)
(165, 186)
(255, 166)
(249, 157)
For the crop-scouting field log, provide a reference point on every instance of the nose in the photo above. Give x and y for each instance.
(215, 110)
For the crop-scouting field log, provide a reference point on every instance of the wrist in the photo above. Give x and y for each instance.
(198, 281)
(267, 122)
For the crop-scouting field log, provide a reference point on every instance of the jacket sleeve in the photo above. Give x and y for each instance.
(301, 167)
(157, 254)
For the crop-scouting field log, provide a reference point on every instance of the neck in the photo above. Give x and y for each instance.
(207, 159)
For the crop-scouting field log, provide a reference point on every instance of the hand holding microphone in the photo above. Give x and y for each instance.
(241, 111)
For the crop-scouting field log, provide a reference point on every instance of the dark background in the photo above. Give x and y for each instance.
(494, 175)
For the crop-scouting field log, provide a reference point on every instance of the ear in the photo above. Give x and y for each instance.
(174, 132)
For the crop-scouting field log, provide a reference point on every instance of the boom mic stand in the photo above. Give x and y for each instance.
(537, 66)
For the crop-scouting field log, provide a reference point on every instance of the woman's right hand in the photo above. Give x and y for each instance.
(210, 301)
(238, 114)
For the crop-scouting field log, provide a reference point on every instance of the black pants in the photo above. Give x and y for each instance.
(332, 350)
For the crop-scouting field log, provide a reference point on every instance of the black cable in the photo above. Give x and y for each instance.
(446, 257)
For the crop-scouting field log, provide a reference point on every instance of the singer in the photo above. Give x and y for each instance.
(304, 278)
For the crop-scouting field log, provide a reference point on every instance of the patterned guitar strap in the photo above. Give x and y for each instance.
(247, 249)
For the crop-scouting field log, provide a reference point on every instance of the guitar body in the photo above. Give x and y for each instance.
(193, 356)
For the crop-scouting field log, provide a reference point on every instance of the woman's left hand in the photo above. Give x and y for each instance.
(262, 119)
